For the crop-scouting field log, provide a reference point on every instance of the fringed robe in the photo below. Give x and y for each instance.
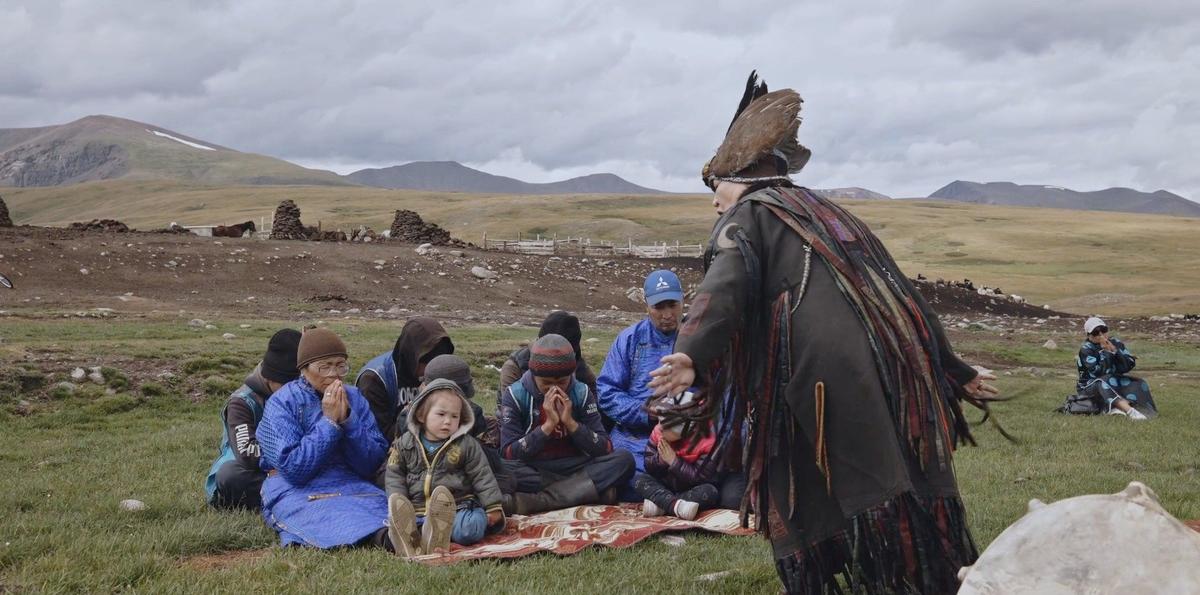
(848, 385)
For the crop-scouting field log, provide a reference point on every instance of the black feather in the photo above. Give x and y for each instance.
(754, 90)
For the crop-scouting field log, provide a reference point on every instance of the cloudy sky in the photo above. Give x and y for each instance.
(900, 97)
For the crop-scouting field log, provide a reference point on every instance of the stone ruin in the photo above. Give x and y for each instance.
(286, 223)
(5, 220)
(408, 226)
(108, 225)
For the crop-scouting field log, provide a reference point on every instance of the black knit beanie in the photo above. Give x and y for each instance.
(563, 323)
(279, 363)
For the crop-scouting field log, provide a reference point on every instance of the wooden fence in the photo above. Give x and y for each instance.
(587, 247)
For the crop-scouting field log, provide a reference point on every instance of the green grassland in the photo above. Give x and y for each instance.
(1113, 264)
(65, 466)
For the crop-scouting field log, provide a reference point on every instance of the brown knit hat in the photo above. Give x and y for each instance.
(552, 356)
(316, 344)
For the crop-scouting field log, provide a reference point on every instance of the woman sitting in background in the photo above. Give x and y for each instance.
(1103, 363)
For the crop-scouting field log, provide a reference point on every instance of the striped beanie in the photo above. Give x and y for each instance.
(552, 356)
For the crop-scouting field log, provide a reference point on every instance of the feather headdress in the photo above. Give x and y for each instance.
(763, 128)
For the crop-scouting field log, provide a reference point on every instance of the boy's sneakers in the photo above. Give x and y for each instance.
(439, 521)
(1136, 415)
(686, 510)
(649, 508)
(402, 525)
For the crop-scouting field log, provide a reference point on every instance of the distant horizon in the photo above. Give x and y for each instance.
(547, 177)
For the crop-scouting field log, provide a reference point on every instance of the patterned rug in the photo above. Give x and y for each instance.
(565, 532)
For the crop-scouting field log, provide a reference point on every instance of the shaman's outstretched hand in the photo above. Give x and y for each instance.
(675, 375)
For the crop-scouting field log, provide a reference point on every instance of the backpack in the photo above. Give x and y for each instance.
(1079, 405)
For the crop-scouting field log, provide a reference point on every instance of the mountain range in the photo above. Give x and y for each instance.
(451, 176)
(107, 147)
(1110, 199)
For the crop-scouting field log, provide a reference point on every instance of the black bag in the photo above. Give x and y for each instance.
(1079, 405)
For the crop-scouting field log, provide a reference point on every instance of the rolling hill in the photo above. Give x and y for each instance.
(1111, 199)
(451, 176)
(105, 148)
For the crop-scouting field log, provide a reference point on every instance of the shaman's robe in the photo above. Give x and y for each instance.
(849, 387)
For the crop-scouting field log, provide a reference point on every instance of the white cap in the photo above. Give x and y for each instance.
(681, 400)
(1090, 324)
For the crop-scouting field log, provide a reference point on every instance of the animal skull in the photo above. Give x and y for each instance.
(1118, 543)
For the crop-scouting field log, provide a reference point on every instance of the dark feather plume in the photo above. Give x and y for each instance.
(754, 89)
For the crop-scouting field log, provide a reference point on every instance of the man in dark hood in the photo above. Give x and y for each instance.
(391, 380)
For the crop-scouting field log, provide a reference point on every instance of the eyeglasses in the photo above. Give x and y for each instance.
(1099, 330)
(333, 369)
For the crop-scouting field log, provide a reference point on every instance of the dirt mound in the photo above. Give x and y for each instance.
(5, 220)
(963, 297)
(286, 223)
(408, 226)
(107, 225)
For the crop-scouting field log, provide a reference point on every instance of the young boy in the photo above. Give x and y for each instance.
(552, 438)
(437, 476)
(674, 481)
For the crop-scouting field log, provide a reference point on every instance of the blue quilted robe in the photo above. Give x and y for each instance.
(321, 490)
(623, 384)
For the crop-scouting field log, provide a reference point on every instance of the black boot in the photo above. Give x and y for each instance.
(575, 490)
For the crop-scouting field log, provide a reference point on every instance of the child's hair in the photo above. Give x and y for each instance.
(427, 402)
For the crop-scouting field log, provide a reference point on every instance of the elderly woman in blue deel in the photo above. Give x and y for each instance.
(321, 449)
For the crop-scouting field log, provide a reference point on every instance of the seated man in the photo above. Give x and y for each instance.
(557, 322)
(623, 381)
(392, 379)
(1103, 363)
(234, 480)
(321, 450)
(551, 437)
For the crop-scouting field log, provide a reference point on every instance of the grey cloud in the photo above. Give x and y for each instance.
(991, 28)
(901, 97)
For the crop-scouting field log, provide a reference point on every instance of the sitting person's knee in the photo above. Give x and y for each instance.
(623, 460)
(469, 526)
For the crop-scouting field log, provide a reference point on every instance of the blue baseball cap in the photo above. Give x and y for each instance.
(661, 286)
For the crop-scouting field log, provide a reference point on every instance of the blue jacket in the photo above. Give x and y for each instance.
(622, 384)
(320, 488)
